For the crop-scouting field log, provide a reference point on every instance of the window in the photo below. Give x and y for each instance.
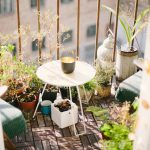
(66, 1)
(6, 6)
(35, 44)
(66, 37)
(34, 3)
(91, 30)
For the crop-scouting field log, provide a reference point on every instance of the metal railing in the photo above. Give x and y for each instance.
(78, 27)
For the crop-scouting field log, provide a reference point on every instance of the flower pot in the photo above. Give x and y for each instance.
(28, 106)
(46, 107)
(65, 93)
(66, 118)
(49, 96)
(124, 64)
(104, 91)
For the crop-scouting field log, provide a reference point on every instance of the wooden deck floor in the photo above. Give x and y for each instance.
(43, 134)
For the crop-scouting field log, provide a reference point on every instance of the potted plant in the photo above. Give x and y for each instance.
(50, 93)
(64, 112)
(127, 53)
(27, 100)
(103, 77)
(89, 90)
(65, 93)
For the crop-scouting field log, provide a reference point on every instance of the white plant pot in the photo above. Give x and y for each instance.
(66, 118)
(124, 64)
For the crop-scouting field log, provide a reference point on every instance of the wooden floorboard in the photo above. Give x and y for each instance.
(43, 134)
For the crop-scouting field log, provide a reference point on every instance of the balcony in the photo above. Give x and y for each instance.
(38, 32)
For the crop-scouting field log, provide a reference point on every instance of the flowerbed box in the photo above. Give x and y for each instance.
(66, 118)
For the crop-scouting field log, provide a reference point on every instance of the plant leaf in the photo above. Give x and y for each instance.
(140, 17)
(139, 30)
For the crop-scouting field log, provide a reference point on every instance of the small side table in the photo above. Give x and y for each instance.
(51, 73)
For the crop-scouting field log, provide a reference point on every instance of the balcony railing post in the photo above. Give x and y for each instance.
(39, 30)
(135, 16)
(78, 27)
(116, 28)
(58, 38)
(97, 28)
(19, 33)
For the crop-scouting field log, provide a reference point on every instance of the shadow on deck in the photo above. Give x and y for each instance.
(43, 134)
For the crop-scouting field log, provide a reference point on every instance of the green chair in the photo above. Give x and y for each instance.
(13, 121)
(129, 88)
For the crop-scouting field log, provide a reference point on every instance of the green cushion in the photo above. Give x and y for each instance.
(12, 119)
(129, 88)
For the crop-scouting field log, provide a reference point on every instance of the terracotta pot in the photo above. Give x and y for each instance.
(28, 106)
(104, 91)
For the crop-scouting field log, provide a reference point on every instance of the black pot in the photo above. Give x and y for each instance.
(65, 93)
(49, 95)
(14, 103)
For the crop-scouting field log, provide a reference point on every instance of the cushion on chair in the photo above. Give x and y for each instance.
(12, 119)
(129, 88)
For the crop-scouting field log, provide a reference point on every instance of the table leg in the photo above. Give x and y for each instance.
(74, 128)
(39, 100)
(83, 118)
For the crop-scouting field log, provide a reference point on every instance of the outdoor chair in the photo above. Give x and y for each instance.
(13, 122)
(130, 88)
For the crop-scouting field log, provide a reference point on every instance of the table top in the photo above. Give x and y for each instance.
(52, 73)
(3, 90)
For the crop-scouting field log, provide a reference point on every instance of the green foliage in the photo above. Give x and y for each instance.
(135, 104)
(129, 30)
(90, 85)
(98, 112)
(117, 137)
(103, 75)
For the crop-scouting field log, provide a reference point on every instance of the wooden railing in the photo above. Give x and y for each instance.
(78, 27)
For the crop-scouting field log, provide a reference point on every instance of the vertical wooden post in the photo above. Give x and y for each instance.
(78, 27)
(142, 136)
(39, 30)
(116, 28)
(135, 17)
(110, 20)
(19, 34)
(58, 38)
(97, 27)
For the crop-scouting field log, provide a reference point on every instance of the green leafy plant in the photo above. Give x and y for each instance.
(90, 85)
(131, 31)
(117, 127)
(102, 113)
(117, 137)
(6, 63)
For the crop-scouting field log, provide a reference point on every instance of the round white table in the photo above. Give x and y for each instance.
(51, 73)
